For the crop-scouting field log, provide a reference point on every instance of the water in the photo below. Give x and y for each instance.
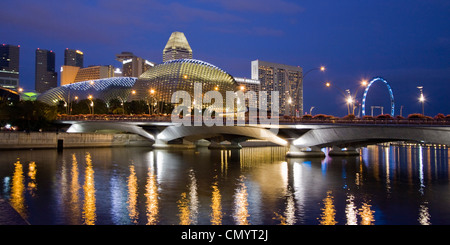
(121, 186)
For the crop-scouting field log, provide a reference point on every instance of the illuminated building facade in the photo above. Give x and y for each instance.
(246, 84)
(94, 73)
(73, 58)
(287, 80)
(159, 82)
(68, 74)
(45, 76)
(74, 74)
(104, 89)
(133, 66)
(164, 79)
(177, 47)
(9, 66)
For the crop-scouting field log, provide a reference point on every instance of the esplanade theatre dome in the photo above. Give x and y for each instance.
(105, 89)
(162, 80)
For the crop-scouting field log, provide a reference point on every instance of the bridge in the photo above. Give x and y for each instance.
(304, 137)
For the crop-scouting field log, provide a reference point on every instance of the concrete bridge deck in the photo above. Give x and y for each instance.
(305, 137)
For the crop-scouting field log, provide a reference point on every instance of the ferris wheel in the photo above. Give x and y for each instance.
(391, 94)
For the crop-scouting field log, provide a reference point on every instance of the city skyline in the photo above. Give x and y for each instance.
(407, 43)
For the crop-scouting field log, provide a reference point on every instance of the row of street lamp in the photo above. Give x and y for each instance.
(350, 100)
(133, 92)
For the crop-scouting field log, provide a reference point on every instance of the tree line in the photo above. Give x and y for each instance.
(37, 115)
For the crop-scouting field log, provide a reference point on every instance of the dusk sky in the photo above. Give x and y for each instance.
(405, 42)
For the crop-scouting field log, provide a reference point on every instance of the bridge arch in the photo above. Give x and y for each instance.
(84, 127)
(391, 94)
(172, 132)
(357, 135)
(202, 132)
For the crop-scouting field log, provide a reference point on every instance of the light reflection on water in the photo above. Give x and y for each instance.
(89, 202)
(385, 185)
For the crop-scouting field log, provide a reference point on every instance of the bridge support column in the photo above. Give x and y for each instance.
(349, 151)
(160, 144)
(224, 146)
(202, 143)
(304, 152)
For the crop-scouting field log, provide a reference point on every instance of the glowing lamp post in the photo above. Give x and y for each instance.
(295, 93)
(422, 99)
(350, 104)
(150, 101)
(92, 103)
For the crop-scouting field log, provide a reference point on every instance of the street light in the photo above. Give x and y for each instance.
(422, 99)
(296, 99)
(349, 102)
(122, 103)
(310, 110)
(345, 93)
(90, 97)
(150, 101)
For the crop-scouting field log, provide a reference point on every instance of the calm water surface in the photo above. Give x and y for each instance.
(385, 185)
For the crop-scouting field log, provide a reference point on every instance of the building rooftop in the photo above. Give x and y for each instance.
(177, 40)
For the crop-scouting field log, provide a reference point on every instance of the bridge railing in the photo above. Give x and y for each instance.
(366, 121)
(282, 120)
(113, 117)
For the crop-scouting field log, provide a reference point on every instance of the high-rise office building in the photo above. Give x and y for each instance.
(9, 66)
(74, 74)
(133, 66)
(94, 73)
(73, 58)
(45, 75)
(286, 79)
(177, 48)
(246, 85)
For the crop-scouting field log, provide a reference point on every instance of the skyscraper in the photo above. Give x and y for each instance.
(94, 73)
(286, 79)
(73, 58)
(45, 76)
(9, 66)
(177, 48)
(133, 66)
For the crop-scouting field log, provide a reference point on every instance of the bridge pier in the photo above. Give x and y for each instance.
(202, 143)
(224, 146)
(160, 144)
(304, 152)
(219, 143)
(349, 151)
